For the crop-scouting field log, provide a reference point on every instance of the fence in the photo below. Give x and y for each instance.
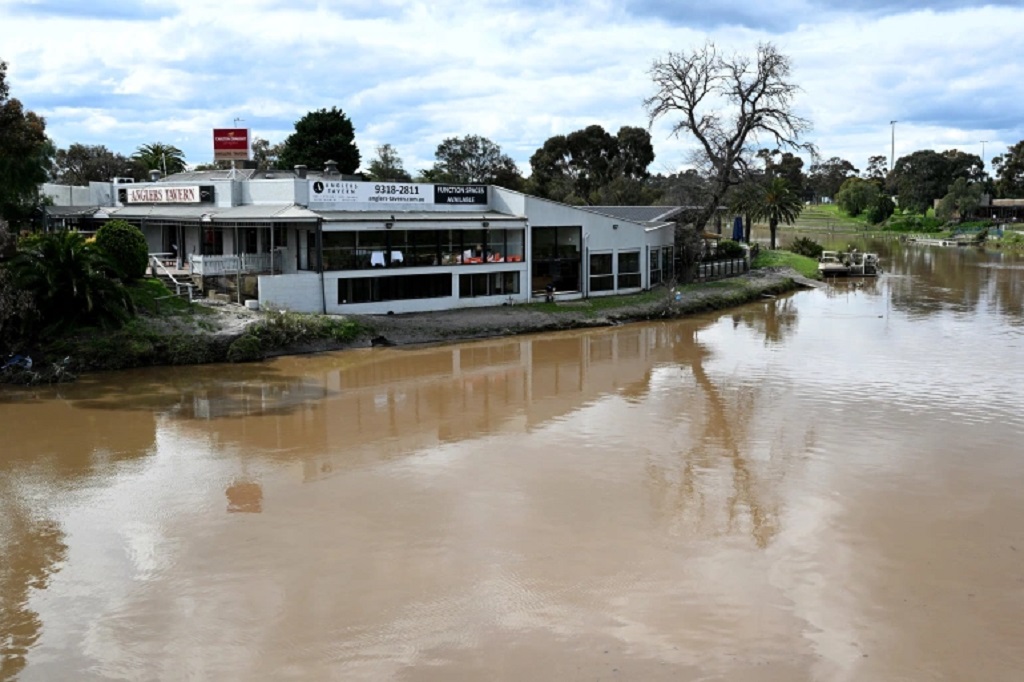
(214, 266)
(720, 269)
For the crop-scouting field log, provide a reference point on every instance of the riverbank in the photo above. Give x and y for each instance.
(665, 303)
(209, 332)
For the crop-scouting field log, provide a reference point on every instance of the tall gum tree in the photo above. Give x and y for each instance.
(25, 156)
(727, 104)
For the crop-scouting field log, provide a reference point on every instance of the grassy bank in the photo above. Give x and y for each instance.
(808, 267)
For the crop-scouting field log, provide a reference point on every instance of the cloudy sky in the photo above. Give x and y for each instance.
(411, 73)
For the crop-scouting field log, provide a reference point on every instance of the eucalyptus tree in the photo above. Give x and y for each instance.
(81, 164)
(962, 200)
(925, 176)
(1010, 172)
(592, 166)
(726, 104)
(387, 166)
(827, 176)
(474, 159)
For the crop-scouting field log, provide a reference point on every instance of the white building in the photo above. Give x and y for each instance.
(329, 244)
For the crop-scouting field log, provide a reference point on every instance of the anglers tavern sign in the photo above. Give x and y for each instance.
(164, 195)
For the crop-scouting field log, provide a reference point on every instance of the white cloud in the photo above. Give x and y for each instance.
(411, 73)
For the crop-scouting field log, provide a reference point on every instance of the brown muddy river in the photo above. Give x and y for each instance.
(825, 486)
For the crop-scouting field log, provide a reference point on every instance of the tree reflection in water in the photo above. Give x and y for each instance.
(723, 434)
(32, 551)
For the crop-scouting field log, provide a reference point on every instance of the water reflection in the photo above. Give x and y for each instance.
(775, 319)
(32, 548)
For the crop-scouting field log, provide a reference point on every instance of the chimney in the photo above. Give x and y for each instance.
(330, 167)
(300, 172)
(154, 175)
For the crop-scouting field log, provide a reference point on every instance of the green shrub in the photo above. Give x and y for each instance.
(279, 329)
(727, 248)
(246, 348)
(806, 247)
(125, 246)
(914, 222)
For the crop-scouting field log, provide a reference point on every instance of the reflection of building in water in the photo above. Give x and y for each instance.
(237, 399)
(416, 399)
(387, 403)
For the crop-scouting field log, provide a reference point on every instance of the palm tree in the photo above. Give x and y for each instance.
(778, 204)
(72, 280)
(162, 157)
(746, 201)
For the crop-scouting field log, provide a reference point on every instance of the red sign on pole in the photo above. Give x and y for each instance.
(230, 144)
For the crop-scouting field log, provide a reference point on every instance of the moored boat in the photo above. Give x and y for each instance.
(848, 263)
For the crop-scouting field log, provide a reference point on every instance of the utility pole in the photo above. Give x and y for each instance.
(233, 160)
(892, 152)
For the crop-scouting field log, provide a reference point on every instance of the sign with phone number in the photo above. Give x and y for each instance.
(391, 193)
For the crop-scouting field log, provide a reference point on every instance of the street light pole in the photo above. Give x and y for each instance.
(233, 158)
(983, 155)
(892, 152)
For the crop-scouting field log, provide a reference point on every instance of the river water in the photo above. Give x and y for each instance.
(823, 486)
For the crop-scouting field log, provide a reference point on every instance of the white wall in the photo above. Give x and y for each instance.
(298, 292)
(301, 293)
(261, 190)
(68, 195)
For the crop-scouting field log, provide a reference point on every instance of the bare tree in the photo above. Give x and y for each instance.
(728, 103)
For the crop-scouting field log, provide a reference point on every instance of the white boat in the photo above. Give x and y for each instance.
(848, 263)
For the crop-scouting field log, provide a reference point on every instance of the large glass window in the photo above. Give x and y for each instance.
(655, 258)
(629, 270)
(488, 284)
(668, 264)
(601, 276)
(396, 288)
(420, 248)
(556, 258)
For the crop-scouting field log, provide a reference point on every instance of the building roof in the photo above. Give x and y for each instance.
(639, 214)
(288, 212)
(70, 211)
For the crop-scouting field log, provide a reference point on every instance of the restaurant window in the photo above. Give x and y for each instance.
(556, 258)
(655, 258)
(629, 270)
(397, 288)
(601, 276)
(488, 284)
